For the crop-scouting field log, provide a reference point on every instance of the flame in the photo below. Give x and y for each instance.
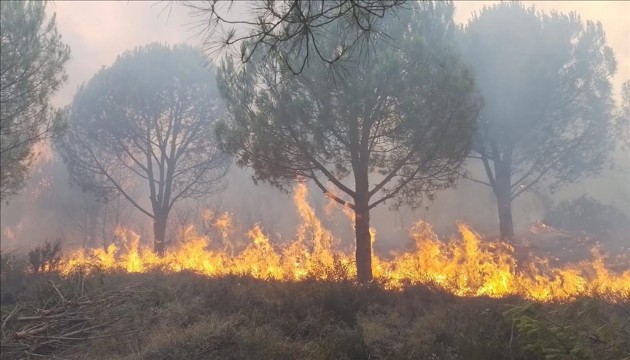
(464, 265)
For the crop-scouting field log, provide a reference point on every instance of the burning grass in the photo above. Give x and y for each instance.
(190, 316)
(464, 265)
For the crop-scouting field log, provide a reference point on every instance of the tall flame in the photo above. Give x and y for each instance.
(464, 266)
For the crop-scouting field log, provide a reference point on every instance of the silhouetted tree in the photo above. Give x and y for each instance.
(623, 118)
(397, 127)
(545, 79)
(46, 257)
(295, 32)
(147, 118)
(32, 64)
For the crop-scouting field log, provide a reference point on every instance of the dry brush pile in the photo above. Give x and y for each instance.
(62, 319)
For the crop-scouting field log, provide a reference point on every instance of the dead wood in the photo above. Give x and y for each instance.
(65, 322)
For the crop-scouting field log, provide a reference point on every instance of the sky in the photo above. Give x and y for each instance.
(99, 31)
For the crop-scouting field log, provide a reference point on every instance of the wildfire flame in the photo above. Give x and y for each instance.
(464, 266)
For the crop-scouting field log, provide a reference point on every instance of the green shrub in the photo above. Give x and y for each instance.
(583, 330)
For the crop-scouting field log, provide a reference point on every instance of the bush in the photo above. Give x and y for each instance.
(588, 215)
(46, 257)
(586, 330)
(12, 275)
(9, 263)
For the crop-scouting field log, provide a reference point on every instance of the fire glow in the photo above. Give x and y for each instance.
(465, 266)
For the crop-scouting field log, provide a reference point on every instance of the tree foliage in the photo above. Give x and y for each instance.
(545, 79)
(149, 119)
(31, 70)
(398, 127)
(293, 31)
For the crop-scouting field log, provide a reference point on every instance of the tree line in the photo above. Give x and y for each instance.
(374, 104)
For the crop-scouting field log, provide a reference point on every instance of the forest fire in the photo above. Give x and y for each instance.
(467, 266)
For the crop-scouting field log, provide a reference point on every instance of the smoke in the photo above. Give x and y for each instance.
(97, 32)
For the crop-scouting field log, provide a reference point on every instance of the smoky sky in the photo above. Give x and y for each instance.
(99, 31)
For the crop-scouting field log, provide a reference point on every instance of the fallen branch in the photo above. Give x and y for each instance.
(9, 316)
(33, 332)
(47, 317)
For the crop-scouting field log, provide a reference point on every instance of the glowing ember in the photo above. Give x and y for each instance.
(464, 267)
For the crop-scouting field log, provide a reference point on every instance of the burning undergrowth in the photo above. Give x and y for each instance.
(465, 298)
(465, 265)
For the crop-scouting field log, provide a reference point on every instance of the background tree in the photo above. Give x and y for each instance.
(545, 79)
(302, 26)
(623, 119)
(32, 60)
(397, 127)
(586, 215)
(147, 119)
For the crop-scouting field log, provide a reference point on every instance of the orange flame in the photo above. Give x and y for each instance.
(464, 266)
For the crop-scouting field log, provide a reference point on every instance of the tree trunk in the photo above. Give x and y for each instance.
(504, 203)
(364, 242)
(506, 226)
(159, 233)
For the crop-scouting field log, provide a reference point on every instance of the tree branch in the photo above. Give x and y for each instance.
(330, 194)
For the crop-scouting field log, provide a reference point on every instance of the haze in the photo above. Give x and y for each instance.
(99, 31)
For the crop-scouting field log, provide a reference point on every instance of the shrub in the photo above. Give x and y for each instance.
(46, 257)
(586, 329)
(12, 275)
(591, 216)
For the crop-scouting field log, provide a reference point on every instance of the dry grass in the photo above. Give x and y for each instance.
(186, 316)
